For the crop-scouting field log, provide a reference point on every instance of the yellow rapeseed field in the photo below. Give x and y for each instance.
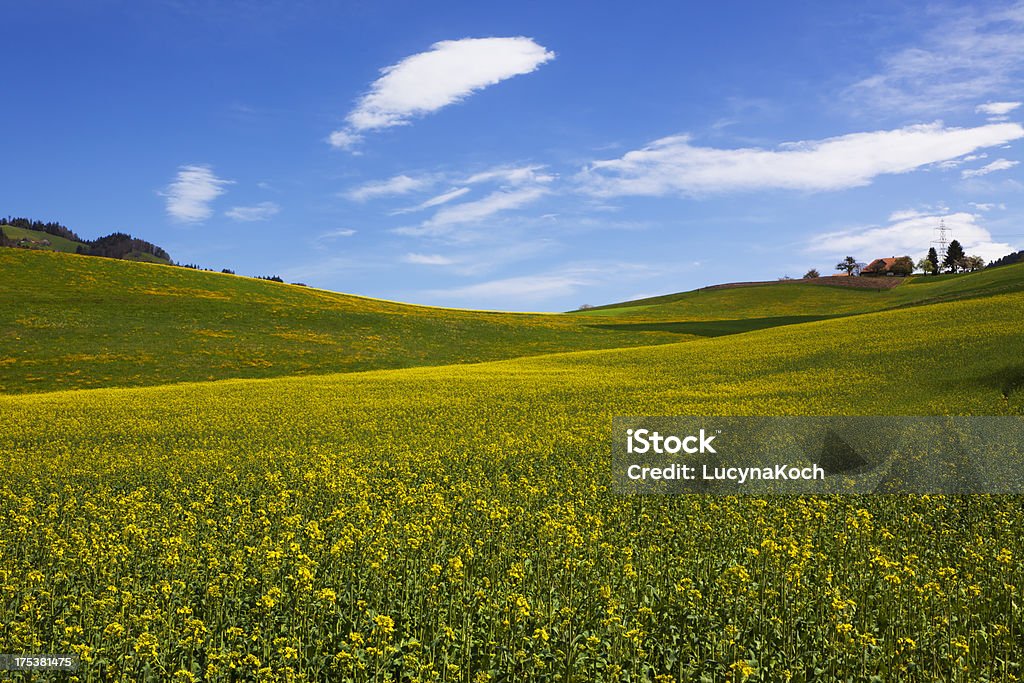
(458, 524)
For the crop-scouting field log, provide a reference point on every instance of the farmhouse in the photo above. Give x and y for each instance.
(902, 265)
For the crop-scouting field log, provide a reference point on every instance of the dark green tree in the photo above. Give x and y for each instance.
(903, 266)
(933, 256)
(1015, 257)
(850, 265)
(954, 255)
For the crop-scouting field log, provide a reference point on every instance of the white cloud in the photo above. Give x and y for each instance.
(444, 198)
(444, 220)
(997, 165)
(905, 214)
(966, 56)
(428, 259)
(333, 234)
(511, 175)
(399, 184)
(344, 139)
(922, 210)
(521, 292)
(953, 163)
(435, 201)
(475, 211)
(673, 165)
(997, 108)
(526, 288)
(447, 73)
(190, 195)
(910, 235)
(261, 212)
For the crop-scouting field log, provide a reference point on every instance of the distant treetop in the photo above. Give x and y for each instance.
(115, 245)
(1009, 259)
(50, 228)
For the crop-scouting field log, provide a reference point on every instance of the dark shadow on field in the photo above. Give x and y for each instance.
(715, 328)
(1009, 382)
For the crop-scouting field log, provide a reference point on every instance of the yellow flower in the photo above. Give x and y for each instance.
(743, 669)
(384, 624)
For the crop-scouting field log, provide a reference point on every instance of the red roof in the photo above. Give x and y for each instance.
(880, 265)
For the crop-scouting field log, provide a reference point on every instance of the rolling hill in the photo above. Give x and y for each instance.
(33, 239)
(103, 322)
(440, 521)
(116, 245)
(796, 297)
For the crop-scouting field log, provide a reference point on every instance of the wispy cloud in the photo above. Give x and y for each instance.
(997, 165)
(968, 55)
(987, 206)
(344, 139)
(911, 234)
(447, 73)
(263, 211)
(397, 185)
(475, 211)
(189, 196)
(953, 163)
(997, 109)
(526, 288)
(334, 234)
(673, 165)
(522, 292)
(511, 175)
(434, 201)
(428, 259)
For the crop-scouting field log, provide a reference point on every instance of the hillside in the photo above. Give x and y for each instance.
(104, 322)
(26, 234)
(411, 506)
(798, 298)
(33, 239)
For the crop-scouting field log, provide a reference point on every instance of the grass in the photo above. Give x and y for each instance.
(988, 282)
(713, 328)
(104, 322)
(786, 299)
(145, 257)
(66, 246)
(456, 523)
(760, 301)
(57, 243)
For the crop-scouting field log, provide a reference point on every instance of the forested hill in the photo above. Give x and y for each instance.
(52, 236)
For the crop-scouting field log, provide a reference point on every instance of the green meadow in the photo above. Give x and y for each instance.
(85, 322)
(360, 519)
(56, 243)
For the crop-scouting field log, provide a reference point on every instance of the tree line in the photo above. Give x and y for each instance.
(955, 260)
(51, 228)
(1009, 259)
(119, 245)
(115, 245)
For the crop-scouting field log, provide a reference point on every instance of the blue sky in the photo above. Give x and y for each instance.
(520, 155)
